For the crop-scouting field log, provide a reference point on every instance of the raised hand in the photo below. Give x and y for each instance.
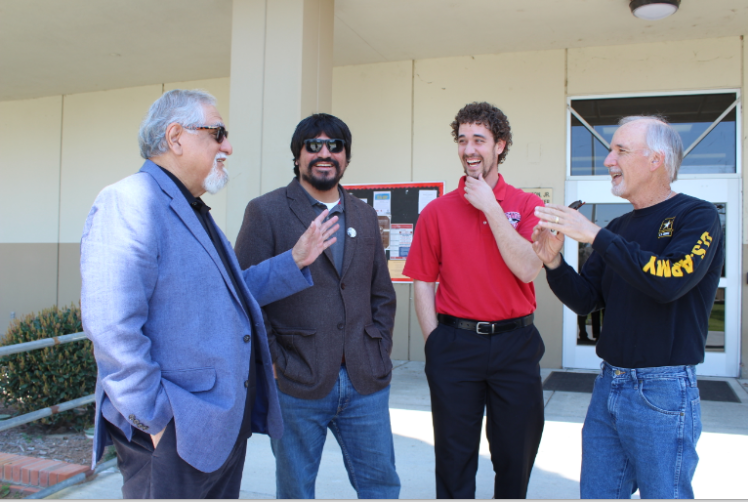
(569, 222)
(315, 240)
(547, 246)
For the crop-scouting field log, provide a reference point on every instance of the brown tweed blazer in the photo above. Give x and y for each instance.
(351, 313)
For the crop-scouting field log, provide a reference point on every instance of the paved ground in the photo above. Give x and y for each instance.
(723, 449)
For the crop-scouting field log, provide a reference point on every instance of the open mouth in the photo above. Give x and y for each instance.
(219, 160)
(473, 162)
(324, 166)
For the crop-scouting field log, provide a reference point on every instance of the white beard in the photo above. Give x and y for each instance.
(217, 178)
(619, 189)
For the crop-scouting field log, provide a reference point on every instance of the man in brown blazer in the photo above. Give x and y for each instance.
(331, 343)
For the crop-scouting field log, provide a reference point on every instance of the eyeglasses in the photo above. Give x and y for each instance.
(220, 134)
(314, 145)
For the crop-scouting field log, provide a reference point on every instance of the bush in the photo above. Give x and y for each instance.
(45, 377)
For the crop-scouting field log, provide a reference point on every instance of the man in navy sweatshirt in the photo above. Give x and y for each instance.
(655, 271)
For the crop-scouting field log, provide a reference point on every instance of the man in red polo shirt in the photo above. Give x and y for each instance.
(482, 349)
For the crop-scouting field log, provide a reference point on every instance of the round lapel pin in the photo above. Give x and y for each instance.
(351, 232)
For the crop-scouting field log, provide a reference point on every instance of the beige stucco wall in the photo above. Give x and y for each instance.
(533, 101)
(99, 147)
(667, 66)
(30, 164)
(375, 100)
(30, 167)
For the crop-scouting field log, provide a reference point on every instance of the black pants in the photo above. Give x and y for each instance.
(467, 373)
(162, 474)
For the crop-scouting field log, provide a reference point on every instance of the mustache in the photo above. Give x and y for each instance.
(326, 159)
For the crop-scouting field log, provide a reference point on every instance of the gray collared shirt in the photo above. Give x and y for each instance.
(337, 249)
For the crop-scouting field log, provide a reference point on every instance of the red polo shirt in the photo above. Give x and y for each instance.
(453, 244)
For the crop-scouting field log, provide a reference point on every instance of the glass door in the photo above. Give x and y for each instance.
(722, 353)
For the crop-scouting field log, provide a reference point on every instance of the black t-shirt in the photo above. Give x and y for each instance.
(655, 271)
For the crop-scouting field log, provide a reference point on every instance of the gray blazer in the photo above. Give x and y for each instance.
(167, 325)
(351, 313)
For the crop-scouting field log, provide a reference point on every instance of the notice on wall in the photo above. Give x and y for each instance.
(398, 206)
(546, 194)
(424, 197)
(401, 235)
(383, 203)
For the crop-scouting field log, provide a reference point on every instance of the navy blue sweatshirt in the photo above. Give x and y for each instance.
(655, 271)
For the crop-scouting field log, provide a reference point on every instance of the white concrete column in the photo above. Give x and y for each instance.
(281, 72)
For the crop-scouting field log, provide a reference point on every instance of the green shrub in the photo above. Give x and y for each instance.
(45, 377)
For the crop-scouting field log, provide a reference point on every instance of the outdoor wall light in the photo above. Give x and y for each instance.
(652, 10)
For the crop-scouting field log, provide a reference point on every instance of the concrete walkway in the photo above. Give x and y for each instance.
(723, 449)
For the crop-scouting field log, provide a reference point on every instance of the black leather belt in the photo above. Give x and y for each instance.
(485, 327)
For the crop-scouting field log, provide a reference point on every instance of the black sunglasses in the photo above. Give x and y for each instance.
(314, 145)
(220, 134)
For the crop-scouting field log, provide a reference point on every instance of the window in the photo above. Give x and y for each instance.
(705, 121)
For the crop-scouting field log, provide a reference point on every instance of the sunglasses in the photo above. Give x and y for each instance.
(314, 145)
(220, 134)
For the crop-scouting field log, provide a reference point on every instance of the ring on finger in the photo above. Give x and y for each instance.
(557, 219)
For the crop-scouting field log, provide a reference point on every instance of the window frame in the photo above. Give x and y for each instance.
(738, 129)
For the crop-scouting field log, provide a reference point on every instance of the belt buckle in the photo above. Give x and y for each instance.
(477, 328)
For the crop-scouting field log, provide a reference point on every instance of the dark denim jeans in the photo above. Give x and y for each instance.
(641, 431)
(361, 424)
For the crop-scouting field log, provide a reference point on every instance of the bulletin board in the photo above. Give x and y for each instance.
(398, 206)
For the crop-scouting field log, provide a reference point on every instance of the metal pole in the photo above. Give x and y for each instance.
(40, 344)
(589, 127)
(46, 412)
(709, 129)
(83, 476)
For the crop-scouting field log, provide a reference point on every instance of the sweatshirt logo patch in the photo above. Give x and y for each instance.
(666, 268)
(513, 218)
(666, 229)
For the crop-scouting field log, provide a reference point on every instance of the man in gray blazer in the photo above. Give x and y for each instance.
(331, 343)
(184, 368)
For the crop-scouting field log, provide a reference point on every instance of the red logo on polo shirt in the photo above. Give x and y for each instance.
(513, 218)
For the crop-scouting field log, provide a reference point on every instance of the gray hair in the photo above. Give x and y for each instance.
(178, 105)
(661, 137)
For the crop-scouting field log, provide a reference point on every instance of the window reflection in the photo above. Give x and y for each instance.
(589, 326)
(690, 115)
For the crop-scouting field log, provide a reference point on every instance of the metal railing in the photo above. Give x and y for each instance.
(40, 344)
(52, 410)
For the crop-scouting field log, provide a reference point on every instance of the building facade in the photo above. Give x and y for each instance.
(58, 151)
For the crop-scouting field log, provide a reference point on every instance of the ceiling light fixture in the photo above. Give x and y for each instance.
(653, 10)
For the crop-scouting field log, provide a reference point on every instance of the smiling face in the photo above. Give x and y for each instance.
(479, 152)
(204, 156)
(320, 172)
(630, 163)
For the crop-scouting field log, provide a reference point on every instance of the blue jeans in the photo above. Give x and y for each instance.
(361, 424)
(641, 431)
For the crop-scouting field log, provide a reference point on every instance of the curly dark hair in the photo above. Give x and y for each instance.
(488, 116)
